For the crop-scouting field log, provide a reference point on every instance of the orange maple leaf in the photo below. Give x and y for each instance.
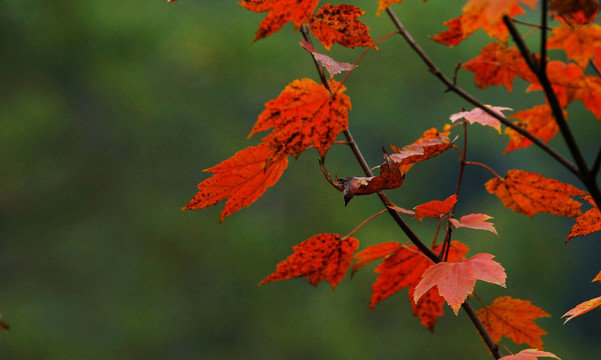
(578, 41)
(472, 19)
(339, 24)
(514, 319)
(587, 223)
(455, 281)
(530, 193)
(529, 354)
(495, 9)
(242, 179)
(475, 221)
(498, 65)
(539, 121)
(280, 12)
(304, 114)
(584, 307)
(404, 268)
(431, 143)
(374, 252)
(567, 81)
(481, 117)
(591, 95)
(435, 208)
(321, 257)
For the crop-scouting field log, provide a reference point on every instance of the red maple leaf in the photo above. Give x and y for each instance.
(435, 208)
(404, 268)
(578, 41)
(475, 221)
(280, 12)
(455, 281)
(305, 114)
(529, 354)
(321, 257)
(339, 24)
(242, 179)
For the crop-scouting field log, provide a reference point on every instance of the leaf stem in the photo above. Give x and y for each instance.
(484, 166)
(364, 222)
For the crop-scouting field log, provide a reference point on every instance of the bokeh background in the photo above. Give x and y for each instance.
(109, 112)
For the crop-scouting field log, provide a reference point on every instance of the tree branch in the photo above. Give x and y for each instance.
(468, 97)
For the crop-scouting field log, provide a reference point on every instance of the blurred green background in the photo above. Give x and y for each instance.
(110, 110)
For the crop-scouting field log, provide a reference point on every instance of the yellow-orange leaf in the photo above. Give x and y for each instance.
(513, 318)
(567, 81)
(280, 12)
(495, 9)
(339, 24)
(242, 179)
(579, 42)
(582, 308)
(529, 354)
(539, 121)
(530, 193)
(304, 114)
(598, 277)
(321, 257)
(384, 4)
(587, 223)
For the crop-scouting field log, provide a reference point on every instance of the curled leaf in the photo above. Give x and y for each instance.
(475, 221)
(334, 67)
(481, 117)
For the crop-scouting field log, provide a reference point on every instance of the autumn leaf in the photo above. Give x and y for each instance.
(538, 121)
(242, 179)
(585, 306)
(529, 354)
(431, 143)
(567, 81)
(591, 95)
(455, 281)
(435, 208)
(579, 41)
(390, 178)
(513, 318)
(587, 223)
(339, 24)
(384, 4)
(481, 117)
(472, 19)
(404, 268)
(305, 114)
(529, 193)
(475, 221)
(495, 9)
(321, 257)
(498, 65)
(374, 252)
(280, 12)
(583, 11)
(334, 67)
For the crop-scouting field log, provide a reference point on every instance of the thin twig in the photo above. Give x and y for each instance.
(364, 222)
(468, 97)
(484, 166)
